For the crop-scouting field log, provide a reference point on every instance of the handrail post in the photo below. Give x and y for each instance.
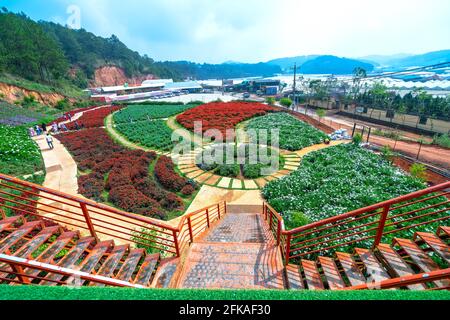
(381, 224)
(87, 217)
(191, 236)
(175, 241)
(207, 217)
(288, 249)
(225, 207)
(265, 211)
(20, 274)
(218, 210)
(279, 232)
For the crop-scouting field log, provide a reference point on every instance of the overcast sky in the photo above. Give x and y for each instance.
(256, 30)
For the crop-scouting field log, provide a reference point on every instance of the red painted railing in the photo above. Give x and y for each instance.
(71, 276)
(101, 221)
(365, 227)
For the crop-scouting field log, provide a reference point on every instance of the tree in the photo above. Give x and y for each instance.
(321, 113)
(270, 101)
(286, 102)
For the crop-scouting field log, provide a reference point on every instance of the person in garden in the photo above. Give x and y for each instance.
(54, 127)
(31, 132)
(49, 140)
(44, 127)
(38, 130)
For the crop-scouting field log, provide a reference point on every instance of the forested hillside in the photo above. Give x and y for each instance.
(49, 53)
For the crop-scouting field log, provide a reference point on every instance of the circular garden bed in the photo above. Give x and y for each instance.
(247, 161)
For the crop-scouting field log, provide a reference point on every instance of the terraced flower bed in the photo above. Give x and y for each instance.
(293, 133)
(122, 177)
(222, 115)
(336, 180)
(94, 118)
(245, 161)
(146, 112)
(153, 134)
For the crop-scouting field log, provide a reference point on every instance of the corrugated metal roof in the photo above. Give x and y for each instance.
(183, 85)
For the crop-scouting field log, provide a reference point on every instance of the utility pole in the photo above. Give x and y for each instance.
(295, 85)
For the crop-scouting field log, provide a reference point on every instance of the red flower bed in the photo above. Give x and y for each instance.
(222, 115)
(166, 175)
(65, 115)
(128, 183)
(94, 118)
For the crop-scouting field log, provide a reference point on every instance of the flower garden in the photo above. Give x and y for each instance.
(154, 134)
(240, 163)
(123, 177)
(146, 112)
(293, 133)
(19, 155)
(336, 180)
(222, 116)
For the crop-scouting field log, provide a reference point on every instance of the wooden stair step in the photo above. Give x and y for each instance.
(420, 258)
(331, 272)
(9, 222)
(435, 243)
(351, 269)
(294, 278)
(443, 231)
(396, 265)
(49, 254)
(110, 264)
(89, 263)
(129, 266)
(312, 275)
(374, 269)
(69, 260)
(17, 235)
(34, 243)
(146, 270)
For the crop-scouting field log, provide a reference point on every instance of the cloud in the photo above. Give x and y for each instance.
(254, 30)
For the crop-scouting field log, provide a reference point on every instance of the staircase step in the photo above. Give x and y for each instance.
(374, 269)
(420, 258)
(95, 255)
(9, 222)
(332, 274)
(396, 265)
(435, 243)
(443, 231)
(69, 260)
(32, 245)
(109, 266)
(312, 275)
(146, 270)
(294, 277)
(17, 235)
(352, 271)
(49, 254)
(129, 266)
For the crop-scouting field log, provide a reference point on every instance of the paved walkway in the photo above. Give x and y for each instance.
(238, 253)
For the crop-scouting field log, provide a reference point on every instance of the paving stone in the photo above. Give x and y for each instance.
(291, 168)
(236, 184)
(202, 178)
(261, 182)
(250, 184)
(213, 179)
(194, 174)
(224, 182)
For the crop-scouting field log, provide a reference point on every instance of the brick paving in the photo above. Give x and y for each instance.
(238, 253)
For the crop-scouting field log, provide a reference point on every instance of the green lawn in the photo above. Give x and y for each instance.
(88, 293)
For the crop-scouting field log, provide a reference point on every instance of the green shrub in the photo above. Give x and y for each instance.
(442, 140)
(286, 102)
(357, 138)
(419, 171)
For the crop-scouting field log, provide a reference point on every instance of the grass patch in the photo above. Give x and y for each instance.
(86, 293)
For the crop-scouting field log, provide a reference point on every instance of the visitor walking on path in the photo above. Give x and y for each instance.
(49, 140)
(44, 127)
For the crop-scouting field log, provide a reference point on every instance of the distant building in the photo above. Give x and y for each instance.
(190, 86)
